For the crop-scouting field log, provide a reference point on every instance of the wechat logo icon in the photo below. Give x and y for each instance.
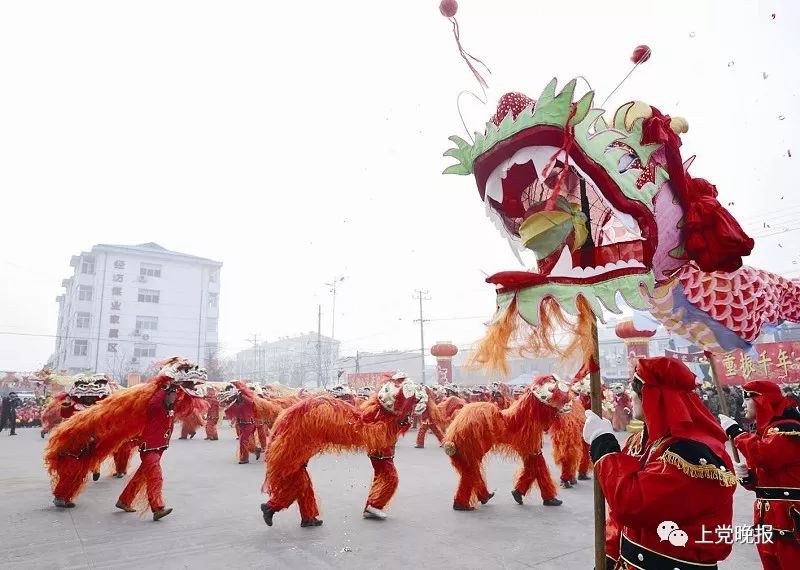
(669, 531)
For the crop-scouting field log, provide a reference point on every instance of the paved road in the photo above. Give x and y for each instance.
(217, 521)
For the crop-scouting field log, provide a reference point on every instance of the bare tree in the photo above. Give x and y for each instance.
(120, 365)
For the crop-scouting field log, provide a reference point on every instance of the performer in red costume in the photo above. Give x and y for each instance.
(622, 407)
(684, 482)
(248, 410)
(212, 417)
(772, 470)
(243, 412)
(583, 390)
(160, 419)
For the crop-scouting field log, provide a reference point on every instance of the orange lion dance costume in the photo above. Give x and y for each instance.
(566, 433)
(79, 445)
(322, 424)
(482, 427)
(249, 411)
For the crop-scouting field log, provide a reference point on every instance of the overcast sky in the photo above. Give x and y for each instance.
(296, 141)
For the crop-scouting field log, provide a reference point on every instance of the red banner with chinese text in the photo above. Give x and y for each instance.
(374, 379)
(778, 361)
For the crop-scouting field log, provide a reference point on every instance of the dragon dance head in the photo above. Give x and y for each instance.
(228, 394)
(185, 375)
(402, 397)
(89, 389)
(554, 392)
(607, 208)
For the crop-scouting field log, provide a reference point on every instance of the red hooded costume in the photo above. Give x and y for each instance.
(773, 459)
(684, 476)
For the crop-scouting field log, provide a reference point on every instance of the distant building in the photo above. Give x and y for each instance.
(128, 306)
(302, 360)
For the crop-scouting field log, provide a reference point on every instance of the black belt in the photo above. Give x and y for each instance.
(778, 493)
(641, 557)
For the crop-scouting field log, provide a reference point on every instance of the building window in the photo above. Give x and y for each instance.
(146, 323)
(144, 350)
(80, 347)
(213, 300)
(84, 292)
(149, 295)
(150, 270)
(116, 305)
(119, 264)
(114, 319)
(82, 320)
(112, 347)
(212, 278)
(118, 277)
(116, 291)
(113, 333)
(211, 325)
(87, 265)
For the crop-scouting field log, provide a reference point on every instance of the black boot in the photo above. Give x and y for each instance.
(457, 507)
(311, 522)
(552, 502)
(517, 496)
(584, 477)
(487, 499)
(267, 513)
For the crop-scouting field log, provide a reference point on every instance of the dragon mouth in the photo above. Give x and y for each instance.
(565, 207)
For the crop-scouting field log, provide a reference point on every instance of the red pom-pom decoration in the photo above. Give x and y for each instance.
(513, 103)
(640, 54)
(448, 8)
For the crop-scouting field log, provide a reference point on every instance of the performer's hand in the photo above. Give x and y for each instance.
(741, 470)
(595, 427)
(726, 421)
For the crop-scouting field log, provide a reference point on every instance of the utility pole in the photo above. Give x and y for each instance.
(332, 285)
(422, 295)
(357, 363)
(256, 359)
(319, 346)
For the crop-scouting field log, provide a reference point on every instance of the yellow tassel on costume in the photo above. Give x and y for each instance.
(725, 478)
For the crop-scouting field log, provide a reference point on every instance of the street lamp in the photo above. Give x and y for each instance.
(336, 281)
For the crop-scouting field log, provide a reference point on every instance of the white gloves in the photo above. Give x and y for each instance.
(595, 427)
(741, 469)
(726, 421)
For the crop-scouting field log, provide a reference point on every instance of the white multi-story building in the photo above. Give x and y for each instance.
(128, 306)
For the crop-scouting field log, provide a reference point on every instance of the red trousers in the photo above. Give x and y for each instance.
(246, 444)
(471, 481)
(71, 477)
(211, 428)
(423, 429)
(295, 487)
(385, 479)
(122, 456)
(782, 554)
(148, 474)
(534, 470)
(261, 430)
(586, 460)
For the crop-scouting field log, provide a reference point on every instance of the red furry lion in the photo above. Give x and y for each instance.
(481, 427)
(322, 424)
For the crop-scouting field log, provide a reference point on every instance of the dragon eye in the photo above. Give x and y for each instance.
(626, 162)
